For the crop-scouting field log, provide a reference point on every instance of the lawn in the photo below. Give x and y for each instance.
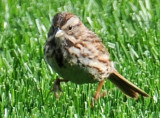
(130, 29)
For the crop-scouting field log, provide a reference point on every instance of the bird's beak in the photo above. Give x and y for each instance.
(59, 33)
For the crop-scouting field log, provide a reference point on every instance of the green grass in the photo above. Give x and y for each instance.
(129, 29)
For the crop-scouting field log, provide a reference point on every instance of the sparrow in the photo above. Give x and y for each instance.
(78, 55)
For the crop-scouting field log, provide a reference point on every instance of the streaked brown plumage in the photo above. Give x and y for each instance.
(78, 55)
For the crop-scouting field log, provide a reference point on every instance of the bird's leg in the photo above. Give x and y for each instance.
(98, 94)
(57, 87)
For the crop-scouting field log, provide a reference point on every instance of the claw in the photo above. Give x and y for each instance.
(57, 87)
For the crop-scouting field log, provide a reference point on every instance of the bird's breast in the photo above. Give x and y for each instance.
(78, 62)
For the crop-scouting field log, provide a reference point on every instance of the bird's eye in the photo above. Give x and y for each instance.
(70, 27)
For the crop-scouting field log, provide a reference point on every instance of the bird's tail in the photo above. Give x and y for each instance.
(127, 87)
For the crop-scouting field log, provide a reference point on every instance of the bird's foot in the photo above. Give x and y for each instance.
(97, 96)
(56, 87)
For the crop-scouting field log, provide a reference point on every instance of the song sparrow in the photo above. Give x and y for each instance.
(78, 55)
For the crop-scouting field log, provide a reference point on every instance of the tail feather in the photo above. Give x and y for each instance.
(127, 87)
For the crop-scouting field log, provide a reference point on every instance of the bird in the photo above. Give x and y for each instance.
(78, 55)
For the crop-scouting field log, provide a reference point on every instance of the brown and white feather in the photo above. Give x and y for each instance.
(78, 55)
